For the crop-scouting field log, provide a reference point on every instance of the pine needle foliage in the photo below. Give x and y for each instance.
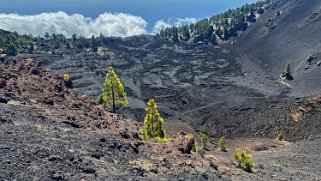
(244, 160)
(153, 123)
(113, 92)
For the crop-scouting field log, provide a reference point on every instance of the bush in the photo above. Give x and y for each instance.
(66, 77)
(204, 141)
(194, 149)
(200, 150)
(243, 160)
(162, 140)
(29, 59)
(68, 82)
(222, 144)
(280, 136)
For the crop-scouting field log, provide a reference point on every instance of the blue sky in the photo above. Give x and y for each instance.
(149, 10)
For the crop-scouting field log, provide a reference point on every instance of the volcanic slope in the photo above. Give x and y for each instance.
(288, 33)
(49, 133)
(180, 76)
(231, 90)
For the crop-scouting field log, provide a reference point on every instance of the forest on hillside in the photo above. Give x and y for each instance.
(219, 27)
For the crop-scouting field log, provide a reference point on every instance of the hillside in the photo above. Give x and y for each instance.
(218, 28)
(221, 89)
(49, 133)
(209, 87)
(287, 33)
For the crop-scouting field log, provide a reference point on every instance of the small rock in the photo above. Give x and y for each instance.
(3, 100)
(139, 171)
(135, 148)
(74, 124)
(154, 170)
(125, 134)
(205, 176)
(35, 71)
(136, 135)
(33, 101)
(166, 163)
(87, 169)
(103, 140)
(96, 154)
(11, 95)
(53, 158)
(2, 83)
(4, 120)
(48, 101)
(213, 165)
(58, 176)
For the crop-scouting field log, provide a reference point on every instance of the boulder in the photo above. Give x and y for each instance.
(185, 142)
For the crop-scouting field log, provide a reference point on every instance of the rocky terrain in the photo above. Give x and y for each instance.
(231, 90)
(50, 133)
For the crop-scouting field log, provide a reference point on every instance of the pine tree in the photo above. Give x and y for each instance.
(153, 123)
(204, 141)
(113, 92)
(287, 70)
(47, 36)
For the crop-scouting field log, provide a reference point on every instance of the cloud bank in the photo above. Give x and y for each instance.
(161, 24)
(109, 24)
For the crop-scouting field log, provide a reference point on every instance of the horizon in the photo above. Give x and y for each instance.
(112, 18)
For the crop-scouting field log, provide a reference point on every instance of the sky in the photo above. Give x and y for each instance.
(110, 17)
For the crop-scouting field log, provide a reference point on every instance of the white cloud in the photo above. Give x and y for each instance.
(184, 21)
(161, 24)
(109, 24)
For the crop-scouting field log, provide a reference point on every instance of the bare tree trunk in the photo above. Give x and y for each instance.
(113, 94)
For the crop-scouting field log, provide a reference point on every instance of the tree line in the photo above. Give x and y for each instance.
(219, 27)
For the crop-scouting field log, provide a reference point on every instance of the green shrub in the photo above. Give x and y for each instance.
(194, 148)
(222, 144)
(66, 77)
(29, 59)
(280, 136)
(243, 160)
(200, 150)
(204, 141)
